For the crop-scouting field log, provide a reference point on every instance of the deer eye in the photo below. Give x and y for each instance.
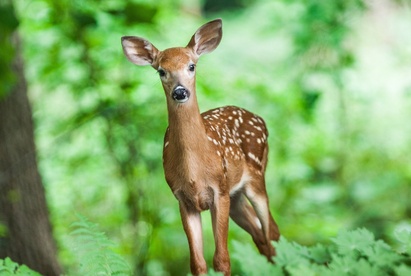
(191, 67)
(161, 72)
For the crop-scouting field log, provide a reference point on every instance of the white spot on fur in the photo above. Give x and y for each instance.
(255, 158)
(237, 124)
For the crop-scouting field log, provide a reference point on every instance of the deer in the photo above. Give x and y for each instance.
(214, 160)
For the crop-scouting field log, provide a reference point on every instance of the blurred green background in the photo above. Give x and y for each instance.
(332, 79)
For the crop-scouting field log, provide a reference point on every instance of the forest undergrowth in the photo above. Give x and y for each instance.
(355, 252)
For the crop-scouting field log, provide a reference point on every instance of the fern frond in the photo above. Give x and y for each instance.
(93, 251)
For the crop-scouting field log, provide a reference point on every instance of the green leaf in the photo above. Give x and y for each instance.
(211, 272)
(8, 267)
(380, 254)
(253, 264)
(362, 267)
(290, 253)
(403, 270)
(404, 237)
(342, 265)
(320, 254)
(304, 269)
(350, 242)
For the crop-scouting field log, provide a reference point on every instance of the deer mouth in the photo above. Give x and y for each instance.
(180, 94)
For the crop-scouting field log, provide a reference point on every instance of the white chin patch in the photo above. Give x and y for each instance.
(182, 101)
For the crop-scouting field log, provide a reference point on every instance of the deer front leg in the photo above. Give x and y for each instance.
(220, 214)
(192, 226)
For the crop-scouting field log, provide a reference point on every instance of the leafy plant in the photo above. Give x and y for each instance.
(351, 253)
(404, 239)
(8, 267)
(92, 249)
(94, 252)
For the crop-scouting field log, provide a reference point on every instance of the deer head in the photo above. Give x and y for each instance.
(176, 66)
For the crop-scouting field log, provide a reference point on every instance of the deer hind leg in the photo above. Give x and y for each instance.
(258, 198)
(244, 215)
(274, 231)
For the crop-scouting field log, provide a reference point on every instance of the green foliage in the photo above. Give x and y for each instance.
(8, 267)
(352, 253)
(8, 27)
(248, 260)
(94, 251)
(211, 272)
(404, 238)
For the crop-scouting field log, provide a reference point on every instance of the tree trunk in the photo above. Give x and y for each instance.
(25, 230)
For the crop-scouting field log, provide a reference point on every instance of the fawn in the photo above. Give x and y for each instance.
(215, 160)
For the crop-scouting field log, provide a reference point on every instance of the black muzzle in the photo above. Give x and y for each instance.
(180, 94)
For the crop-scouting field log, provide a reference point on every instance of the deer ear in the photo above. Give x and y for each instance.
(138, 50)
(207, 37)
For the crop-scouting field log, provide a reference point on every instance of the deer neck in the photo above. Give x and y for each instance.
(186, 128)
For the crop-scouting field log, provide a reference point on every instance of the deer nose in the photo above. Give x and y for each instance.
(180, 94)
